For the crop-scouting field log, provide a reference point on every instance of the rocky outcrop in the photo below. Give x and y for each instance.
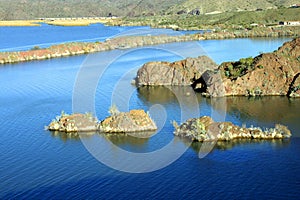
(274, 73)
(74, 123)
(205, 129)
(133, 121)
(119, 122)
(183, 72)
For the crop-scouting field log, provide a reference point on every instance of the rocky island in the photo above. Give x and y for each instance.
(197, 129)
(205, 129)
(124, 122)
(118, 122)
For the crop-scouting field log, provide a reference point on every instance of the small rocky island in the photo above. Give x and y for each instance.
(74, 123)
(205, 129)
(118, 122)
(276, 73)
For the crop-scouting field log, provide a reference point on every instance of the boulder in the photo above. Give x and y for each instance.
(183, 72)
(205, 129)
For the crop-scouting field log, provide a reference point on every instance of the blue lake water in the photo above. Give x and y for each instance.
(25, 38)
(36, 163)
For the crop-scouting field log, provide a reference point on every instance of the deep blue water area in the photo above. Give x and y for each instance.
(38, 164)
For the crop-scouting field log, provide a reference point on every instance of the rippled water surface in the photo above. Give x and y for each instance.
(36, 163)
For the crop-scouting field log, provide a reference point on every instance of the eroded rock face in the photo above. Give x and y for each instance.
(133, 121)
(294, 90)
(205, 129)
(274, 73)
(183, 72)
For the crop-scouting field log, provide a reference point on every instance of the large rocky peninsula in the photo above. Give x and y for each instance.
(276, 73)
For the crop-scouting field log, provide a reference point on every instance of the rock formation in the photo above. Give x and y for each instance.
(119, 122)
(183, 72)
(133, 121)
(205, 129)
(73, 123)
(274, 73)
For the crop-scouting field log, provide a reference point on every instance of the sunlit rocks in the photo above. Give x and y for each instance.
(205, 129)
(274, 73)
(73, 123)
(183, 72)
(118, 122)
(132, 121)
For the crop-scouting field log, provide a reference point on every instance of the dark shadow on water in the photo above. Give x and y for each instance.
(228, 145)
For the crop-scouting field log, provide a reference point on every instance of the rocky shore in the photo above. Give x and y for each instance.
(79, 48)
(118, 122)
(205, 129)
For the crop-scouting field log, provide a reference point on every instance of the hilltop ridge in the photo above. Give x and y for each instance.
(30, 9)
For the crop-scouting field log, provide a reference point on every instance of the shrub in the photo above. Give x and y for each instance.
(36, 48)
(113, 110)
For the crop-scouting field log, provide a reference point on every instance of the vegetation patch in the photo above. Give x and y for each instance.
(233, 70)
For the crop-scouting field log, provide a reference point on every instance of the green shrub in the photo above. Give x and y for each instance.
(260, 67)
(35, 48)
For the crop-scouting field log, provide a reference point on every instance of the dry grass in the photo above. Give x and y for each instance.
(20, 23)
(78, 22)
(59, 22)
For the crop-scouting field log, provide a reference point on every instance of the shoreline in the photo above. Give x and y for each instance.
(59, 21)
(128, 42)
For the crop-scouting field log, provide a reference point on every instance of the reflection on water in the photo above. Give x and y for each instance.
(266, 111)
(71, 136)
(134, 139)
(263, 108)
(228, 145)
(163, 94)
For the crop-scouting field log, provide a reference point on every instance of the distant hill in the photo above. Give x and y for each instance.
(29, 9)
(220, 6)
